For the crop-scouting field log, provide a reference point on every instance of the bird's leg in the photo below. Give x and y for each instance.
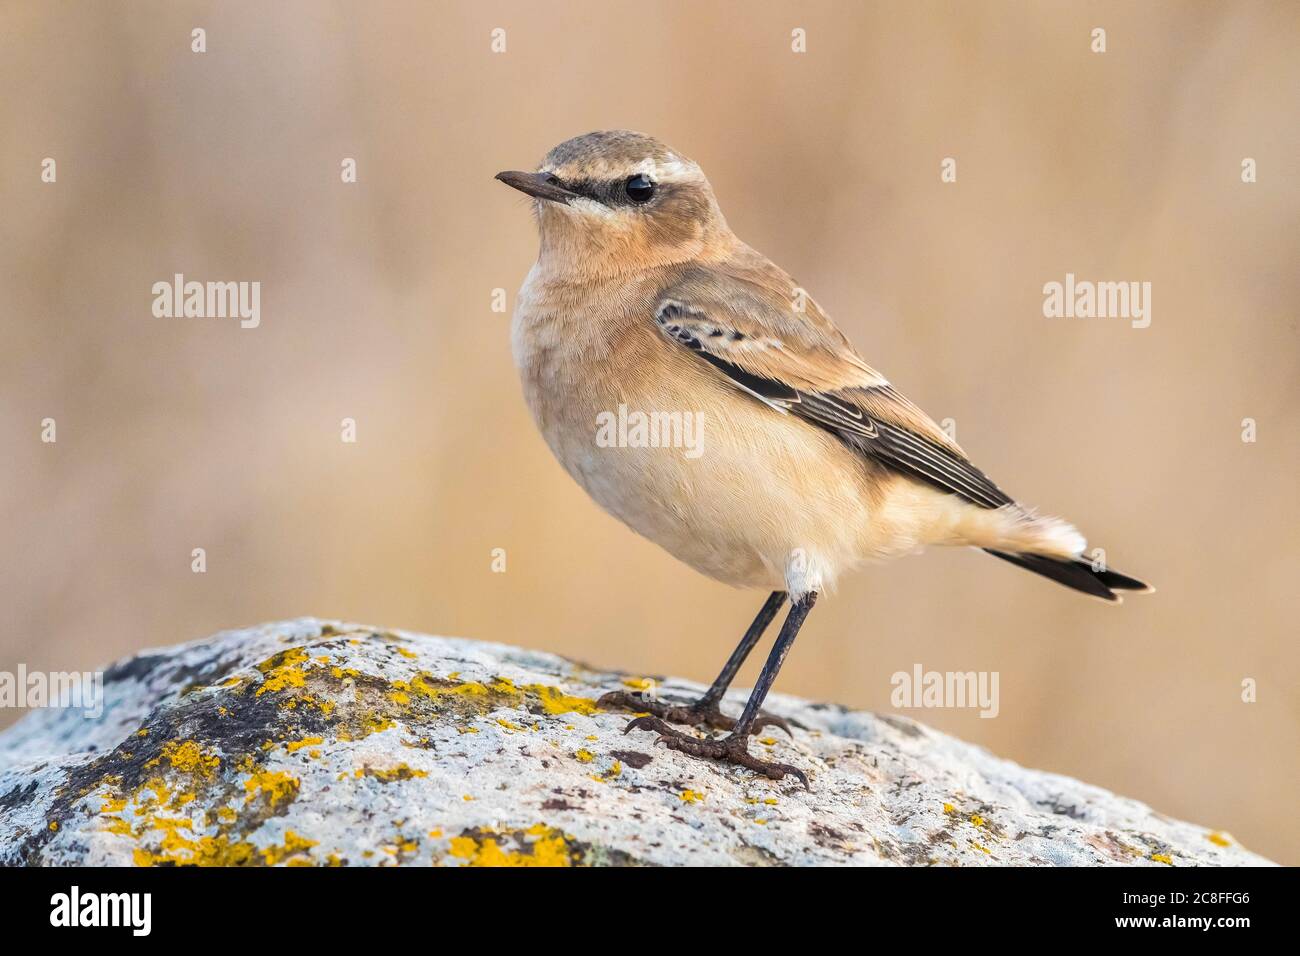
(733, 748)
(705, 710)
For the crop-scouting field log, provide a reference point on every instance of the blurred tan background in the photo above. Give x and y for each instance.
(175, 434)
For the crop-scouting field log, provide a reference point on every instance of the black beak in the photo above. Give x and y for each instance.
(539, 185)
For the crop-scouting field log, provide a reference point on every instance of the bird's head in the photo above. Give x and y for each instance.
(617, 201)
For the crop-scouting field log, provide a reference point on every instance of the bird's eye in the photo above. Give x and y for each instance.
(639, 188)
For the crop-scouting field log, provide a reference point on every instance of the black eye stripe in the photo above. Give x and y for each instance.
(610, 192)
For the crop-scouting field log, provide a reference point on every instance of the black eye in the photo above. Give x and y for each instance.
(639, 188)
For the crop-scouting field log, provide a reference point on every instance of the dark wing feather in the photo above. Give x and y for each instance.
(923, 459)
(846, 413)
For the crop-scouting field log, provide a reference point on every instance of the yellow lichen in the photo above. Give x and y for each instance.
(274, 785)
(542, 846)
(555, 701)
(502, 691)
(402, 846)
(1218, 839)
(388, 775)
(293, 746)
(205, 851)
(283, 670)
(112, 804)
(585, 756)
(293, 844)
(187, 756)
(420, 685)
(156, 786)
(690, 796)
(377, 723)
(1164, 858)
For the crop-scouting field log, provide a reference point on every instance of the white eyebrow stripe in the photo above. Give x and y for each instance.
(674, 170)
(671, 170)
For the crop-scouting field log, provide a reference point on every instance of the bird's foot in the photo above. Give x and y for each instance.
(729, 749)
(701, 713)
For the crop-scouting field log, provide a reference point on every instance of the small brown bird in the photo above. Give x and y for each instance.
(752, 441)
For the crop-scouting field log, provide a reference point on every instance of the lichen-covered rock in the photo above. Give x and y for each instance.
(316, 743)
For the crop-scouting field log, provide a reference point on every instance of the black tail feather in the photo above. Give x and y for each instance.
(1121, 582)
(1077, 574)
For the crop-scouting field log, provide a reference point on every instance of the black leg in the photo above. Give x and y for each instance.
(706, 710)
(733, 747)
(784, 641)
(737, 658)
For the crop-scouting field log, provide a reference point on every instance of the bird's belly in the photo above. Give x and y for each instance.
(735, 489)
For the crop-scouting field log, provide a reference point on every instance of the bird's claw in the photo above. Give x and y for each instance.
(729, 749)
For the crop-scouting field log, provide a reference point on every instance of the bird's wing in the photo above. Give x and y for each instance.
(750, 321)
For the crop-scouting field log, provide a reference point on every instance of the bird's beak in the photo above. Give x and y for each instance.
(539, 185)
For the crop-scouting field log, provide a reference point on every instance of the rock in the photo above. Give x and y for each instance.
(322, 743)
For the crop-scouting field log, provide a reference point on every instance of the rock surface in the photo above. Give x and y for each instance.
(321, 743)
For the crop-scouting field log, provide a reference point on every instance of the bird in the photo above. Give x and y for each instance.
(809, 463)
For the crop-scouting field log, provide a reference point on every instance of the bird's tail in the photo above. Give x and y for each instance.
(1076, 573)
